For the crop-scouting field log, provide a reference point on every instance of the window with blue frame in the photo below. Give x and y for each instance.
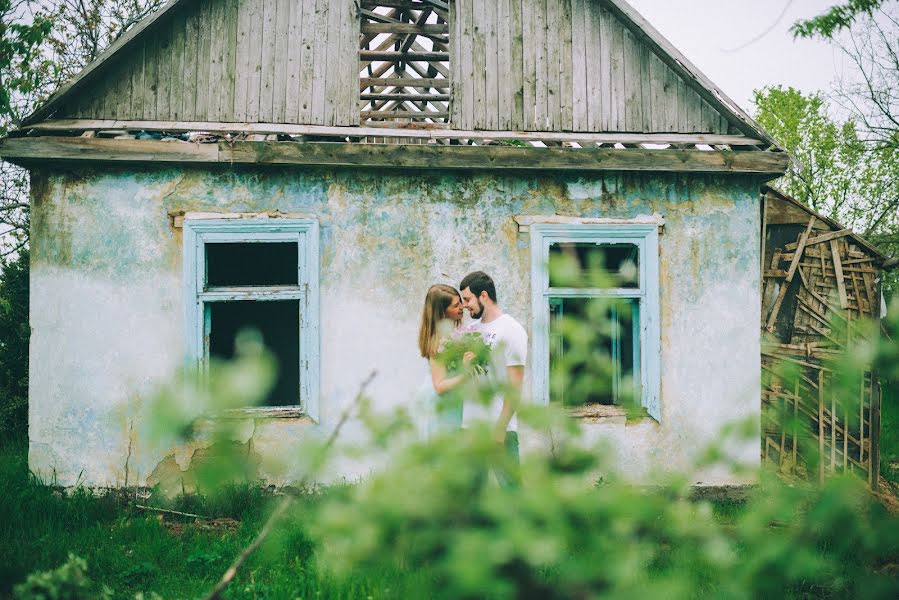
(595, 310)
(260, 275)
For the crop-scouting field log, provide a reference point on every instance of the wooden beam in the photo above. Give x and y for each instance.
(34, 150)
(392, 131)
(838, 273)
(403, 114)
(410, 97)
(826, 237)
(791, 272)
(405, 28)
(394, 56)
(409, 82)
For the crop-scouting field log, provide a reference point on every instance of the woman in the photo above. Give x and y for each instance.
(440, 319)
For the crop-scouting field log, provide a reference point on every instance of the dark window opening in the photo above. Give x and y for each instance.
(590, 265)
(594, 351)
(279, 324)
(238, 264)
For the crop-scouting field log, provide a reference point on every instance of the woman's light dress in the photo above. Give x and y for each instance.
(441, 413)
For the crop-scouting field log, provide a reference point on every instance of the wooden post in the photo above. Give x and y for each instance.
(845, 437)
(764, 236)
(833, 431)
(821, 426)
(795, 421)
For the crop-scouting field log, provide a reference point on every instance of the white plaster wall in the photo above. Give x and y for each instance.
(107, 303)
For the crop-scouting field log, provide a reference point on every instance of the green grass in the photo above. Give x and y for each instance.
(889, 431)
(131, 551)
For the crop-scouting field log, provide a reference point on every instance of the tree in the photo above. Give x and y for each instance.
(44, 43)
(838, 172)
(24, 69)
(836, 18)
(870, 94)
(869, 38)
(14, 333)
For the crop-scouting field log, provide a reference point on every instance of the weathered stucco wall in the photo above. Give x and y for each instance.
(106, 301)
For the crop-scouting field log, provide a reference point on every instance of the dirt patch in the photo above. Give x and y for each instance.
(177, 527)
(888, 495)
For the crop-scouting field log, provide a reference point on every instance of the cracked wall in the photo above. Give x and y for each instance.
(106, 301)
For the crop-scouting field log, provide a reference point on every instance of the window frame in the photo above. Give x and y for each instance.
(646, 238)
(305, 232)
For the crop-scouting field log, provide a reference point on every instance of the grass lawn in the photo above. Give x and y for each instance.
(133, 551)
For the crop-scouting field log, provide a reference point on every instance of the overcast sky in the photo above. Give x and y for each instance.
(742, 45)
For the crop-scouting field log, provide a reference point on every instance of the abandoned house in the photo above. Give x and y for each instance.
(311, 167)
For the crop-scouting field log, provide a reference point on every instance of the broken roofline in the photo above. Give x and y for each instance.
(419, 131)
(834, 225)
(33, 150)
(635, 22)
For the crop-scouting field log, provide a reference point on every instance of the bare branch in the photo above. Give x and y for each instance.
(266, 530)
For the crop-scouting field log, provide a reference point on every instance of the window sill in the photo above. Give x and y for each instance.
(598, 413)
(265, 412)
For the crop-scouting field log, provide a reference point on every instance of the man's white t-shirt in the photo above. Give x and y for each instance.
(509, 342)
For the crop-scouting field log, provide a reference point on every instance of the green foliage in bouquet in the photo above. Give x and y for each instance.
(455, 348)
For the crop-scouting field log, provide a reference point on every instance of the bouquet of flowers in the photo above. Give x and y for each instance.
(454, 348)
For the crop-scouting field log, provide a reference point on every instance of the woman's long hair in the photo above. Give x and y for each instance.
(437, 300)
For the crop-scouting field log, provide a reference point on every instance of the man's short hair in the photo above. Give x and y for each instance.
(478, 282)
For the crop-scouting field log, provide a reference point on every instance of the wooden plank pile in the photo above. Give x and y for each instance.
(816, 293)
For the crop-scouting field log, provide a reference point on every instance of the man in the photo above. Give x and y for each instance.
(509, 342)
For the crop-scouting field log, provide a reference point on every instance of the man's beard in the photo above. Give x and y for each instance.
(480, 310)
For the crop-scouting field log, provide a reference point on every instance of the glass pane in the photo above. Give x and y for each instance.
(590, 265)
(594, 354)
(232, 264)
(279, 324)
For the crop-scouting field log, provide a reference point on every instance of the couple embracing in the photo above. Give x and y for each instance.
(454, 363)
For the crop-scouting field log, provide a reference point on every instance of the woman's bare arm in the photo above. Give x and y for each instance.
(439, 377)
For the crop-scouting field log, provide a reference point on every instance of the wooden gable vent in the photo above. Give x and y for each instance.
(404, 61)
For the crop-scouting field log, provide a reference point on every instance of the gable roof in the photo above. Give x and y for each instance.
(89, 72)
(140, 34)
(708, 90)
